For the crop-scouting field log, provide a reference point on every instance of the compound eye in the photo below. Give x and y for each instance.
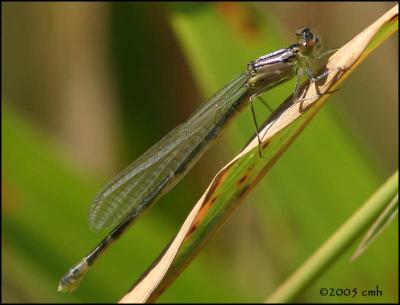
(299, 32)
(308, 35)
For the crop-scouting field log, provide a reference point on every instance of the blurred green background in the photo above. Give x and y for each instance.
(88, 87)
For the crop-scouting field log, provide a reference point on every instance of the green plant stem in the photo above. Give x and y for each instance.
(337, 244)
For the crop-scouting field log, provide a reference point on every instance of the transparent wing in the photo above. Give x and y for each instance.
(164, 164)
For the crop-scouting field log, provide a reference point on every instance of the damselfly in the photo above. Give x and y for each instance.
(162, 166)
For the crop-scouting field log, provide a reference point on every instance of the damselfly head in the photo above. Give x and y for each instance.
(308, 42)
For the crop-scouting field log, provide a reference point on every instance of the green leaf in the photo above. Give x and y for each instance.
(382, 222)
(336, 244)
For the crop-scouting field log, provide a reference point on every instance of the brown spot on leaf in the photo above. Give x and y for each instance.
(244, 177)
(393, 18)
(243, 191)
(191, 230)
(217, 182)
(202, 213)
(265, 144)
